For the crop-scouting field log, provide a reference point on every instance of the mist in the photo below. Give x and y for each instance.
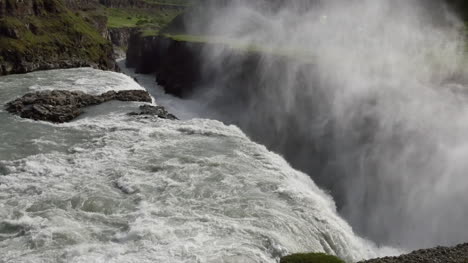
(366, 96)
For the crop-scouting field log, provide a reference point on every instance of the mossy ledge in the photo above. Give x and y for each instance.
(44, 34)
(311, 258)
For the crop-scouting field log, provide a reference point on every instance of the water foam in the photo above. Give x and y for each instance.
(136, 189)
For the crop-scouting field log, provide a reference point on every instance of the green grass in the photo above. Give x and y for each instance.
(182, 3)
(311, 258)
(149, 32)
(53, 35)
(122, 18)
(297, 53)
(197, 38)
(148, 20)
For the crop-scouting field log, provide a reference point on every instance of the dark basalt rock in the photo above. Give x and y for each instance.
(457, 254)
(60, 106)
(159, 111)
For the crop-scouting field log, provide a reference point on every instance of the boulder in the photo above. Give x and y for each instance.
(159, 111)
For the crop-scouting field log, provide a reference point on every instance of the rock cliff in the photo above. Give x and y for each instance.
(84, 5)
(176, 64)
(457, 254)
(45, 34)
(181, 68)
(121, 36)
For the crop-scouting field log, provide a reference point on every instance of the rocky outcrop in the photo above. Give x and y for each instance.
(45, 34)
(84, 5)
(60, 106)
(28, 8)
(158, 111)
(457, 254)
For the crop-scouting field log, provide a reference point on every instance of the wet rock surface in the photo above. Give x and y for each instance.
(159, 111)
(457, 254)
(60, 106)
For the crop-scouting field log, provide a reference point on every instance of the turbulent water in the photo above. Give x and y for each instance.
(371, 102)
(109, 187)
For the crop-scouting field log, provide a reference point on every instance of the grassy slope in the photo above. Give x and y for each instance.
(150, 21)
(311, 258)
(170, 2)
(64, 28)
(129, 17)
(52, 35)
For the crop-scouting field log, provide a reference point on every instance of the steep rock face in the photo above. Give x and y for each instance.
(180, 66)
(99, 22)
(121, 36)
(176, 64)
(27, 8)
(84, 5)
(44, 34)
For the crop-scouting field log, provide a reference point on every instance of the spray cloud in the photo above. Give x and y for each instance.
(366, 96)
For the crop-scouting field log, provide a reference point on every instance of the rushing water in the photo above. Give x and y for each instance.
(109, 187)
(371, 102)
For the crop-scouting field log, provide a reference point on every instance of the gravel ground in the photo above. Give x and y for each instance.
(457, 254)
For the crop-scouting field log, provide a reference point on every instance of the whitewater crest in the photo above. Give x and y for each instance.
(110, 187)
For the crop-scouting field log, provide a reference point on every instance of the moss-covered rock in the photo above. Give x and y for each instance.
(311, 258)
(44, 34)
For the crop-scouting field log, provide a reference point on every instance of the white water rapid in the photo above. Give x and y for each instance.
(109, 187)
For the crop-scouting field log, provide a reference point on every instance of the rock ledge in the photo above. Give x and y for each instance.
(457, 254)
(60, 106)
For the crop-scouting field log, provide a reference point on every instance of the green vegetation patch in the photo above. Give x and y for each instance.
(198, 38)
(146, 19)
(296, 53)
(52, 35)
(182, 3)
(311, 258)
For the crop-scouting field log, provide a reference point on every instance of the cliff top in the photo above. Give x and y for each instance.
(42, 34)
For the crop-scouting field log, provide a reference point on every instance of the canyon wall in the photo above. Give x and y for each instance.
(84, 5)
